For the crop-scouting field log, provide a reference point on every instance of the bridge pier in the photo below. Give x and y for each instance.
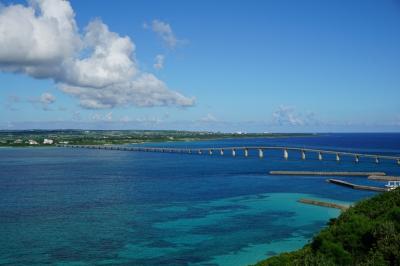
(246, 152)
(320, 156)
(303, 155)
(260, 153)
(285, 154)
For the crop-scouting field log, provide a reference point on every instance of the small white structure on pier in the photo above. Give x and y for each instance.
(260, 153)
(303, 155)
(392, 185)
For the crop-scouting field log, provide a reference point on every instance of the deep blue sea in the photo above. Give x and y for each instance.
(61, 206)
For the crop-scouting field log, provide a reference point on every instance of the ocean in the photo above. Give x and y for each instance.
(62, 206)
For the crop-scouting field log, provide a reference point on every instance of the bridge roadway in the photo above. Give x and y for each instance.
(245, 151)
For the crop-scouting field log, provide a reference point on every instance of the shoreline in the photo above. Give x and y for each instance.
(379, 212)
(272, 136)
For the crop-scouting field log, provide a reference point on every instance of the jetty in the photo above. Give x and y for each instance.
(384, 178)
(355, 186)
(318, 173)
(324, 204)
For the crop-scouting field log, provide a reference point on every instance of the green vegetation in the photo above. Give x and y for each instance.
(101, 137)
(366, 234)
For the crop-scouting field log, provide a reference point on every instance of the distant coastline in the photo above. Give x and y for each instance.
(43, 138)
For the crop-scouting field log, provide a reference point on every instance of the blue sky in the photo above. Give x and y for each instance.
(266, 66)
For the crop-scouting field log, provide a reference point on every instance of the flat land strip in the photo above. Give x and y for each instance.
(21, 138)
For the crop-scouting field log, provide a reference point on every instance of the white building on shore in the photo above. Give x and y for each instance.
(32, 142)
(48, 141)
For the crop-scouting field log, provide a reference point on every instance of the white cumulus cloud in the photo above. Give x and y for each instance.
(36, 39)
(47, 98)
(44, 101)
(144, 91)
(97, 66)
(286, 115)
(108, 117)
(159, 61)
(164, 31)
(208, 118)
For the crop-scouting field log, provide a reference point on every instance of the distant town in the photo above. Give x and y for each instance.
(108, 137)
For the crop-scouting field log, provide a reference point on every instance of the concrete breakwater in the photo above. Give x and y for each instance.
(324, 204)
(384, 178)
(354, 186)
(319, 173)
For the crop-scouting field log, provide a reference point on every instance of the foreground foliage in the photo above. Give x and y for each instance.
(366, 234)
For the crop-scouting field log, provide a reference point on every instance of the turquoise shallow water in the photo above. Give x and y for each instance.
(85, 207)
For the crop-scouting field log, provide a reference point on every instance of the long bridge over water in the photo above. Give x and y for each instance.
(245, 151)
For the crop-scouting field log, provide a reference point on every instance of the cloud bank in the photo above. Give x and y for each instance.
(97, 66)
